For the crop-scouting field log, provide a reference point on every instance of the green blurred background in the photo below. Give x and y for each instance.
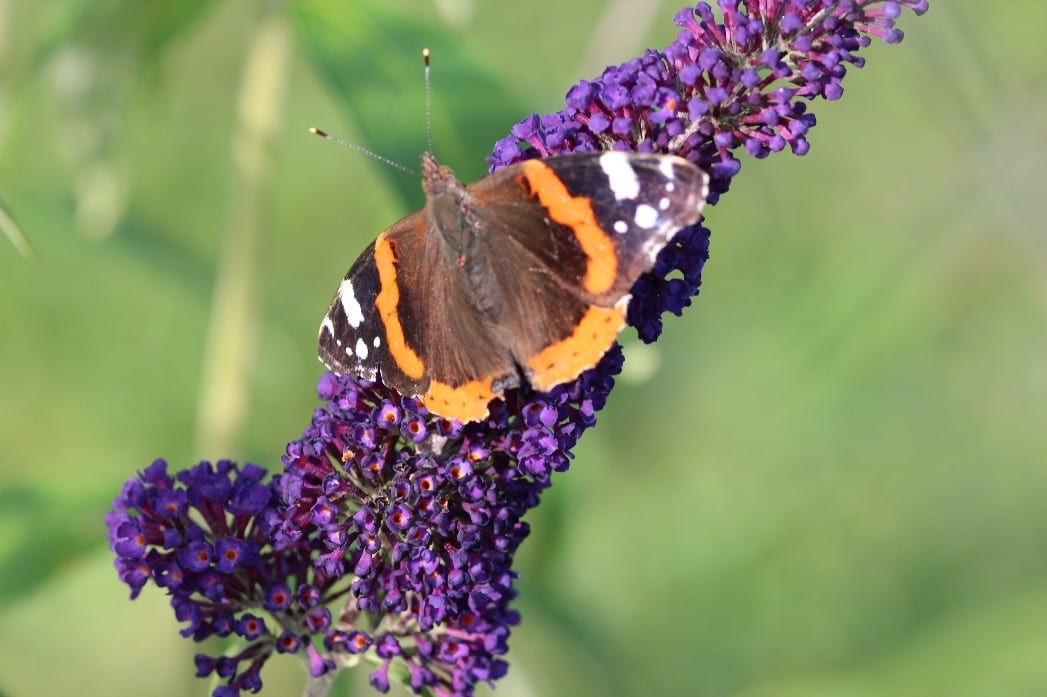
(827, 479)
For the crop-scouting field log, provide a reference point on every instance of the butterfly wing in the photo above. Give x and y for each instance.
(402, 311)
(351, 334)
(646, 200)
(571, 235)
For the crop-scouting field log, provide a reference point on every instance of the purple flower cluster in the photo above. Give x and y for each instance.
(203, 537)
(425, 515)
(415, 520)
(411, 522)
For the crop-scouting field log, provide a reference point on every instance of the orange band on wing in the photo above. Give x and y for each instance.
(576, 212)
(568, 358)
(387, 301)
(467, 402)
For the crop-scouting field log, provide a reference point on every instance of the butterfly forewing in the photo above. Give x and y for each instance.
(351, 333)
(581, 229)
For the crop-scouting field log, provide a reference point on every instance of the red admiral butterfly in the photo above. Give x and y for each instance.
(524, 273)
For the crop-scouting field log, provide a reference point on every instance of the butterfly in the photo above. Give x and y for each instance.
(524, 274)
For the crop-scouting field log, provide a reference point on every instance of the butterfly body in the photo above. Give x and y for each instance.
(524, 274)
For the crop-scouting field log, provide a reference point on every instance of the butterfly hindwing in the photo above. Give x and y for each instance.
(449, 344)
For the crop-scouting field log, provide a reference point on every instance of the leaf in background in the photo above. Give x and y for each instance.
(38, 539)
(146, 29)
(93, 56)
(370, 56)
(14, 233)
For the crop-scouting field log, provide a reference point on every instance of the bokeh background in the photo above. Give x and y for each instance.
(829, 478)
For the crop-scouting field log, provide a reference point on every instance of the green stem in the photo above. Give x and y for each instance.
(319, 687)
(232, 334)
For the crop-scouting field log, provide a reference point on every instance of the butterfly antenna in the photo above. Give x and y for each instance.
(365, 151)
(428, 103)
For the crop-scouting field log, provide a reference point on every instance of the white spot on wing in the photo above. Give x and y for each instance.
(651, 248)
(377, 342)
(620, 175)
(354, 314)
(620, 226)
(328, 325)
(668, 167)
(361, 349)
(663, 203)
(646, 216)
